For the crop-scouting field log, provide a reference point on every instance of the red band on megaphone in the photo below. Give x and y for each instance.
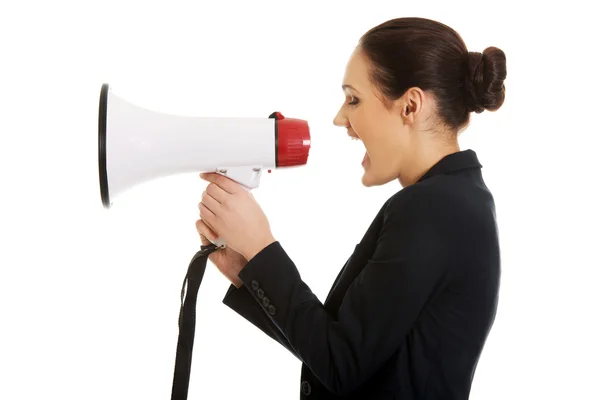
(292, 138)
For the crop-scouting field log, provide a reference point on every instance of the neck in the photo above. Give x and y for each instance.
(427, 153)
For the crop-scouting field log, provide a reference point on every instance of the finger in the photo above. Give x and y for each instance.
(206, 213)
(227, 184)
(217, 192)
(210, 226)
(205, 232)
(212, 204)
(203, 240)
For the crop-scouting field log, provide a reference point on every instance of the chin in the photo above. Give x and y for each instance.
(369, 179)
(367, 182)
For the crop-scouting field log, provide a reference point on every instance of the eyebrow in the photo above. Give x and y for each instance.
(349, 86)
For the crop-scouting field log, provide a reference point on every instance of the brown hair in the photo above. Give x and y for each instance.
(418, 52)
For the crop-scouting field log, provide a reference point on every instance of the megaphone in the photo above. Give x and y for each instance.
(136, 145)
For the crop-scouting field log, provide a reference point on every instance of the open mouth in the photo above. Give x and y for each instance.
(366, 157)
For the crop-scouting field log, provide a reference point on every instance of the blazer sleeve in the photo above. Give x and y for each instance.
(379, 308)
(242, 302)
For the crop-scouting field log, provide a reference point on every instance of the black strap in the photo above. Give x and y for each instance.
(187, 322)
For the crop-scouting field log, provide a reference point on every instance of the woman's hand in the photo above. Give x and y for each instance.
(227, 261)
(232, 213)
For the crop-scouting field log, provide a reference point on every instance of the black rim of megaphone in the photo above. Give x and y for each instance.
(102, 146)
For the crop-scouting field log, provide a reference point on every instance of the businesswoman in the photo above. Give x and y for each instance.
(409, 313)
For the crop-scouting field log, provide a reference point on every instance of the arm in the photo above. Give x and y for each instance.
(242, 302)
(378, 309)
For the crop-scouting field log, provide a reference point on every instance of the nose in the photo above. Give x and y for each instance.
(340, 119)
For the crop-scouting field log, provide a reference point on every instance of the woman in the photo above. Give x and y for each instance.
(409, 313)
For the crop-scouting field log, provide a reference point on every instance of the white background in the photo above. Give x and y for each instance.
(89, 297)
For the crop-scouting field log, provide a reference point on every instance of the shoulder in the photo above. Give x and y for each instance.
(448, 206)
(421, 199)
(437, 207)
(414, 226)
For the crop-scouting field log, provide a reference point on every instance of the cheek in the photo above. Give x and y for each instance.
(376, 130)
(384, 143)
(362, 123)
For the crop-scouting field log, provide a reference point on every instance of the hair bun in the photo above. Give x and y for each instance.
(485, 80)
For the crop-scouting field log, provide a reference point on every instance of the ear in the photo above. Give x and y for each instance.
(410, 105)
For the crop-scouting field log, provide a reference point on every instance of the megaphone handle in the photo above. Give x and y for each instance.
(247, 177)
(219, 242)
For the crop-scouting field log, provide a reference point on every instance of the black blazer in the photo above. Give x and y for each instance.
(409, 313)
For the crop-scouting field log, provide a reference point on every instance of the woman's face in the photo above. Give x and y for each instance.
(384, 132)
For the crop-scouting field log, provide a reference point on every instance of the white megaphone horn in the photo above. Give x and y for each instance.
(136, 145)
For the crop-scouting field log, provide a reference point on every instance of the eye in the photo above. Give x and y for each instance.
(354, 101)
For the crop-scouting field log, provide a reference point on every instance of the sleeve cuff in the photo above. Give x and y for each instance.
(274, 281)
(233, 295)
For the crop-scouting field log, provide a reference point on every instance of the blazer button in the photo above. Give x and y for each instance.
(272, 309)
(260, 293)
(265, 301)
(306, 389)
(254, 284)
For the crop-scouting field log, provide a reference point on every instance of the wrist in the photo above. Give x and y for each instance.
(260, 246)
(237, 282)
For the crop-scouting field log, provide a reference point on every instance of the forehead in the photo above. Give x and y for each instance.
(356, 74)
